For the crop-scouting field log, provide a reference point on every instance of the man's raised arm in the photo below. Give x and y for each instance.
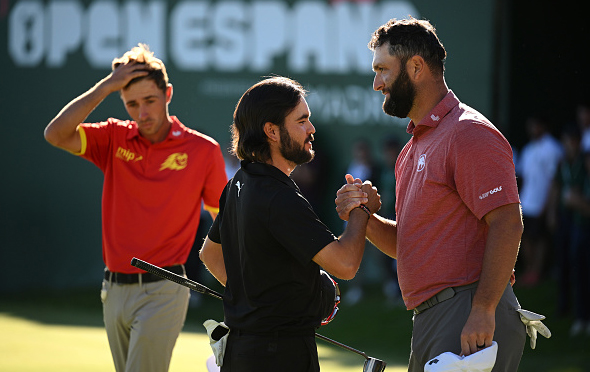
(62, 131)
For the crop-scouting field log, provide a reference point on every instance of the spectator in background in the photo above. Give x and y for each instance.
(570, 221)
(583, 120)
(363, 166)
(581, 258)
(537, 164)
(194, 267)
(311, 179)
(391, 149)
(232, 164)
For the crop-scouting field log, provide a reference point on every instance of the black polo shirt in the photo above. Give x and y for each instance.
(269, 235)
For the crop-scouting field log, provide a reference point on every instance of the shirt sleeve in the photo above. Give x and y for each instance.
(296, 226)
(96, 142)
(214, 234)
(216, 180)
(483, 168)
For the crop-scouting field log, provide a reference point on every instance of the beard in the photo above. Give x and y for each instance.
(292, 152)
(401, 96)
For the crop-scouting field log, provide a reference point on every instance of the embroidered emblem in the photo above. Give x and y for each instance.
(176, 133)
(435, 118)
(421, 163)
(176, 161)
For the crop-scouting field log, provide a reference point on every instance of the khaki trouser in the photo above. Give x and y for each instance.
(143, 322)
(438, 330)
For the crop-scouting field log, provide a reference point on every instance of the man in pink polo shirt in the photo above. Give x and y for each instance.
(157, 172)
(458, 221)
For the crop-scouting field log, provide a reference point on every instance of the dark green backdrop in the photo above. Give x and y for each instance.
(50, 200)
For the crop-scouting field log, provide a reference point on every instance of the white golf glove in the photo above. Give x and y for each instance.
(533, 325)
(218, 333)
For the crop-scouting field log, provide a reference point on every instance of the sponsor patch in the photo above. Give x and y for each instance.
(486, 194)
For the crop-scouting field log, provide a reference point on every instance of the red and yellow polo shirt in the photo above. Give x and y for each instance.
(152, 193)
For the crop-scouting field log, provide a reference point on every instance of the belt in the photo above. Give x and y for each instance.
(122, 278)
(441, 296)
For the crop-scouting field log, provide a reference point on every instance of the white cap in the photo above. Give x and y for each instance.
(482, 361)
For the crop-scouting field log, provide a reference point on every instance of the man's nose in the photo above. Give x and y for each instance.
(143, 112)
(377, 83)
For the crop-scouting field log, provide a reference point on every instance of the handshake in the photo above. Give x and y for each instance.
(357, 194)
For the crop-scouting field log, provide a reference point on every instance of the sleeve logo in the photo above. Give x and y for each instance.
(176, 161)
(486, 194)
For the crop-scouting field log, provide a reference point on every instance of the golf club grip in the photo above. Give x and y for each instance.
(163, 273)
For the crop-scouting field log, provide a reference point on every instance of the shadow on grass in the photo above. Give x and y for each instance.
(380, 331)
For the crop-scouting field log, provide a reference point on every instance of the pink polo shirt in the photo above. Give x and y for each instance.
(455, 169)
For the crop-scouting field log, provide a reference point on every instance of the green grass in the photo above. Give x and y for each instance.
(63, 331)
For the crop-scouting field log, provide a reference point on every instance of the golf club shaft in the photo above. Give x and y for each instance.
(333, 342)
(163, 273)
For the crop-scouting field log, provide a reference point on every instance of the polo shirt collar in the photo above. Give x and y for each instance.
(176, 130)
(263, 169)
(435, 116)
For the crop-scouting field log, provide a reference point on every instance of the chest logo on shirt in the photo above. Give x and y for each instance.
(176, 161)
(421, 163)
(127, 155)
(239, 186)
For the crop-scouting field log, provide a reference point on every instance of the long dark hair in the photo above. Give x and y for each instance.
(269, 100)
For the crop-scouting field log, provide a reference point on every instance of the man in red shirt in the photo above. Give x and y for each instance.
(458, 221)
(157, 172)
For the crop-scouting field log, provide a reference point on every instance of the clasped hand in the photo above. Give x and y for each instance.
(354, 193)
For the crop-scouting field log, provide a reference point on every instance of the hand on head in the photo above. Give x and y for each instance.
(124, 73)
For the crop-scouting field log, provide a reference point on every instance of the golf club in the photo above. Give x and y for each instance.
(371, 364)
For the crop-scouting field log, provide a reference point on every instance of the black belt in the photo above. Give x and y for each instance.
(441, 296)
(121, 278)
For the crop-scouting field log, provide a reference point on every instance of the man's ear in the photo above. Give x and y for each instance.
(272, 131)
(416, 66)
(168, 93)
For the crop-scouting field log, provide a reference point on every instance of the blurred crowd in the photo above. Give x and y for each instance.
(553, 171)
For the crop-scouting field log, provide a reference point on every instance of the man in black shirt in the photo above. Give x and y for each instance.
(267, 245)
